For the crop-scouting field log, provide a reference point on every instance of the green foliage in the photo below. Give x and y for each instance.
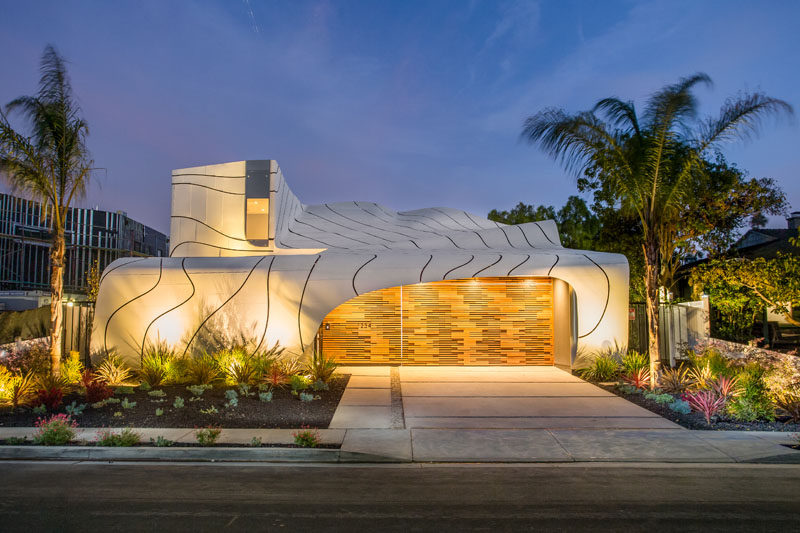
(178, 403)
(72, 368)
(17, 389)
(680, 406)
(265, 396)
(127, 437)
(158, 393)
(207, 436)
(604, 367)
(634, 361)
(198, 390)
(113, 371)
(675, 380)
(126, 391)
(40, 409)
(307, 437)
(202, 369)
(159, 411)
(155, 357)
(209, 411)
(237, 365)
(126, 404)
(308, 397)
(754, 402)
(319, 367)
(789, 400)
(232, 397)
(741, 288)
(255, 442)
(244, 390)
(74, 409)
(659, 398)
(319, 385)
(713, 359)
(299, 383)
(653, 165)
(55, 431)
(161, 442)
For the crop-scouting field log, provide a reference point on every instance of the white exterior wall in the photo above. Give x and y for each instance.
(319, 257)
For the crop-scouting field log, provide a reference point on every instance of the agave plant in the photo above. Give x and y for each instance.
(319, 367)
(237, 365)
(639, 379)
(634, 361)
(707, 402)
(675, 380)
(19, 389)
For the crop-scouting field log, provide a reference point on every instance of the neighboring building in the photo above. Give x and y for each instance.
(91, 235)
(767, 242)
(370, 285)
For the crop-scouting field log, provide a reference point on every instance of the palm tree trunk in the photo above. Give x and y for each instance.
(56, 294)
(651, 293)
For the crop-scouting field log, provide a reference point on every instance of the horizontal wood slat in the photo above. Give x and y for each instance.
(486, 321)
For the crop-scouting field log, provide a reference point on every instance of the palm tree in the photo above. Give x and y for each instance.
(649, 163)
(51, 165)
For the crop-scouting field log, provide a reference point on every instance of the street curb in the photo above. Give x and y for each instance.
(177, 454)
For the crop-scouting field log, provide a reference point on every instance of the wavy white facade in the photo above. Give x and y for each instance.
(275, 273)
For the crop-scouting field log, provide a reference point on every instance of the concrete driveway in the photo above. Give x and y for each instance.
(463, 397)
(515, 398)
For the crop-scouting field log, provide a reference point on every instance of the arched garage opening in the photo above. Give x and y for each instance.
(475, 321)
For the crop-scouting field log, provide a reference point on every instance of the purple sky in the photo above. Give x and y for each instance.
(410, 104)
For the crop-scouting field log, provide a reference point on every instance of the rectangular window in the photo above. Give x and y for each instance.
(257, 225)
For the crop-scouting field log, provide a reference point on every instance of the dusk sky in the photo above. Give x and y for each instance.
(410, 104)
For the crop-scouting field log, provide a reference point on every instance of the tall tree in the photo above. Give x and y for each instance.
(51, 164)
(651, 163)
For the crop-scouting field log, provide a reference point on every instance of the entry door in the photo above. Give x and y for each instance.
(483, 321)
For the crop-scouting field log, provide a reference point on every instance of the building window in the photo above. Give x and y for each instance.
(257, 225)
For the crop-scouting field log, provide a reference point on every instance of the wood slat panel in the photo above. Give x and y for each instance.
(486, 321)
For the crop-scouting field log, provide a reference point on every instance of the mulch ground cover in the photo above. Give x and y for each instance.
(284, 411)
(697, 421)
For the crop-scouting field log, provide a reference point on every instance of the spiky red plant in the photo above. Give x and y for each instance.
(706, 402)
(639, 379)
(726, 387)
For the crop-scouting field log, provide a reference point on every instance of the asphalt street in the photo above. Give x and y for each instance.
(212, 497)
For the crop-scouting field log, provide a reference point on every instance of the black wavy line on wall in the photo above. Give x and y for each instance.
(451, 218)
(459, 266)
(473, 220)
(391, 222)
(505, 235)
(367, 225)
(448, 228)
(207, 187)
(111, 316)
(266, 322)
(500, 258)
(300, 306)
(519, 265)
(432, 230)
(338, 234)
(554, 265)
(524, 235)
(426, 266)
(147, 329)
(374, 257)
(543, 233)
(109, 271)
(290, 230)
(349, 228)
(608, 296)
(209, 227)
(481, 238)
(203, 323)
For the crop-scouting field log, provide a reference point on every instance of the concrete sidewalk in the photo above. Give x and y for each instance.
(448, 445)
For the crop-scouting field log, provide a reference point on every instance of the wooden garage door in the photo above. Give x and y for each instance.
(485, 321)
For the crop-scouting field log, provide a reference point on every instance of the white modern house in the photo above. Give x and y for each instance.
(433, 286)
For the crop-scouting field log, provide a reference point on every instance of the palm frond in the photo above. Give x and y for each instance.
(740, 118)
(619, 113)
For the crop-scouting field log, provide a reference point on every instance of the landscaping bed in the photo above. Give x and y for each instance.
(696, 420)
(284, 410)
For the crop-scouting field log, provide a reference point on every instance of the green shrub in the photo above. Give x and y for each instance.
(319, 367)
(159, 411)
(113, 371)
(298, 383)
(202, 369)
(74, 409)
(161, 442)
(307, 437)
(207, 436)
(675, 380)
(659, 398)
(72, 368)
(232, 397)
(178, 403)
(127, 437)
(754, 402)
(198, 390)
(680, 406)
(265, 397)
(55, 431)
(18, 389)
(604, 367)
(158, 393)
(633, 362)
(127, 404)
(712, 358)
